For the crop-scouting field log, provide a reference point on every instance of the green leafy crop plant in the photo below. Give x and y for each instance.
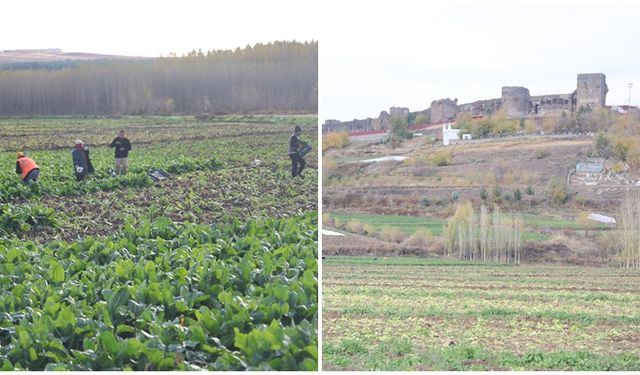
(163, 295)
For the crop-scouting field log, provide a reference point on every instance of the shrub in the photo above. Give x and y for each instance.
(529, 191)
(618, 167)
(369, 229)
(560, 124)
(355, 226)
(327, 219)
(329, 167)
(391, 234)
(483, 194)
(420, 239)
(424, 201)
(621, 150)
(335, 140)
(603, 145)
(464, 121)
(497, 191)
(517, 194)
(399, 131)
(541, 154)
(497, 124)
(455, 195)
(558, 192)
(422, 118)
(441, 158)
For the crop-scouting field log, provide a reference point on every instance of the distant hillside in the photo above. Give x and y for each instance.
(53, 55)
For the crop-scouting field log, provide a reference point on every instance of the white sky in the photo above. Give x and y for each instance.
(373, 54)
(407, 53)
(151, 28)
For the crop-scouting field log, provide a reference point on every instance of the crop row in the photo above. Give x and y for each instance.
(59, 132)
(409, 314)
(57, 176)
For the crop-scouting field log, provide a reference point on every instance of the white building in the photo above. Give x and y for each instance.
(449, 134)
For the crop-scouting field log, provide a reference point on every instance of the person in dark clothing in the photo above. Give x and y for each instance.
(297, 161)
(90, 168)
(122, 146)
(26, 168)
(80, 166)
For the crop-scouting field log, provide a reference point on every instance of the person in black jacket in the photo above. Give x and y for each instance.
(122, 146)
(297, 162)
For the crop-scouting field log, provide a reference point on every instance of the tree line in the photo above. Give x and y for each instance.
(280, 77)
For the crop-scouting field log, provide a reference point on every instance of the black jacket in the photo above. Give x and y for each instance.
(294, 144)
(123, 146)
(89, 164)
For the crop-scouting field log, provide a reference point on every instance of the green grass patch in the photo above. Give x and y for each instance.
(406, 261)
(407, 224)
(398, 355)
(411, 224)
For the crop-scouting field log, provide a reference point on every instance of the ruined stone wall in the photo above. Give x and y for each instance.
(552, 104)
(348, 126)
(384, 121)
(333, 126)
(399, 112)
(592, 91)
(443, 110)
(515, 101)
(481, 107)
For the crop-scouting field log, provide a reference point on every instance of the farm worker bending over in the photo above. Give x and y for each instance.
(297, 162)
(26, 168)
(123, 146)
(80, 165)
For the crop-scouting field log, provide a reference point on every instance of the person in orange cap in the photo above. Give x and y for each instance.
(26, 168)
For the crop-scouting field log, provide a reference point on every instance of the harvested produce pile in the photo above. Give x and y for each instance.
(164, 296)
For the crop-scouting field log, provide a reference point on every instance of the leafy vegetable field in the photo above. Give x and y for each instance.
(215, 176)
(423, 314)
(215, 268)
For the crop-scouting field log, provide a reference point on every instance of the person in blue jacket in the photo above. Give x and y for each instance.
(80, 165)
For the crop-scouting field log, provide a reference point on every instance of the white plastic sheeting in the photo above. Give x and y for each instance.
(384, 158)
(602, 218)
(331, 233)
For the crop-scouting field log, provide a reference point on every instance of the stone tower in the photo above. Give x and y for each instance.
(399, 112)
(515, 101)
(592, 91)
(443, 110)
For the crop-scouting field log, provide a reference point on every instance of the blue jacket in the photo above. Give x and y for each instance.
(79, 159)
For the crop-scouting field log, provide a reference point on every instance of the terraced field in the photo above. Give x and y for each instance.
(430, 314)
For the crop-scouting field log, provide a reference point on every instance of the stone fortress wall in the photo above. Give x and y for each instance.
(516, 102)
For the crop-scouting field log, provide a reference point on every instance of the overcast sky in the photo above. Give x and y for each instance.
(375, 55)
(151, 28)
